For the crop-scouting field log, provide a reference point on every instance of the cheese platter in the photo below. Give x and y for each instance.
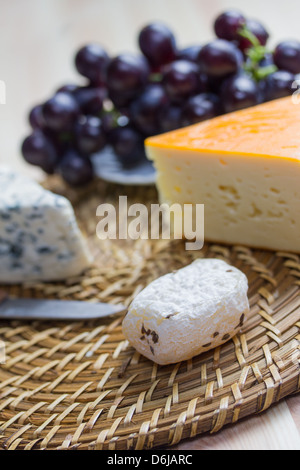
(199, 339)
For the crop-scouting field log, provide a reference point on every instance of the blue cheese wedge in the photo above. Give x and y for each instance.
(185, 313)
(39, 236)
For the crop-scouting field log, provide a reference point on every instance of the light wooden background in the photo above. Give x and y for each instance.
(38, 41)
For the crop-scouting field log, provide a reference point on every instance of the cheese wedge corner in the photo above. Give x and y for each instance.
(244, 167)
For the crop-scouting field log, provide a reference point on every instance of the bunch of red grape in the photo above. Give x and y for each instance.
(130, 97)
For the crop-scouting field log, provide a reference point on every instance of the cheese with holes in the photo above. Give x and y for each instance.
(187, 312)
(39, 236)
(244, 167)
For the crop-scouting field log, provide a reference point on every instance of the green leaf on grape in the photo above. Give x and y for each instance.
(255, 54)
(262, 72)
(247, 34)
(156, 77)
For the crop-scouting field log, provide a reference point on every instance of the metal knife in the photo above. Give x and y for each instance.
(39, 309)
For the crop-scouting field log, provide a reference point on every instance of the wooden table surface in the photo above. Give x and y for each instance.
(38, 41)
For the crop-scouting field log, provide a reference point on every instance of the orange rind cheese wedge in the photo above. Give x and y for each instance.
(244, 167)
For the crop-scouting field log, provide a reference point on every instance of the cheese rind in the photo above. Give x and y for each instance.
(39, 236)
(187, 312)
(244, 167)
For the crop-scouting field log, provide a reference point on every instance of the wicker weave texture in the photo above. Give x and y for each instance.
(81, 385)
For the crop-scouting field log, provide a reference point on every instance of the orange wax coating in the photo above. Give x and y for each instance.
(270, 129)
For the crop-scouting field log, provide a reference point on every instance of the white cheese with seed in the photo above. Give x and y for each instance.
(39, 236)
(185, 313)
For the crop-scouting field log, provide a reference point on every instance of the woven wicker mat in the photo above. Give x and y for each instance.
(81, 385)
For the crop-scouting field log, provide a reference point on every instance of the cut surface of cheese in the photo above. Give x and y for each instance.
(39, 236)
(244, 167)
(187, 312)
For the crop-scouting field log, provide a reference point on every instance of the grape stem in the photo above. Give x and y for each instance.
(156, 77)
(255, 54)
(247, 34)
(113, 113)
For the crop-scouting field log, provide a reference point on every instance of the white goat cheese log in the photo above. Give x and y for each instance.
(39, 236)
(185, 313)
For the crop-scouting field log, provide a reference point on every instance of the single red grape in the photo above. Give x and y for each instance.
(127, 144)
(144, 111)
(127, 73)
(90, 99)
(228, 24)
(157, 43)
(60, 111)
(287, 56)
(38, 150)
(89, 135)
(91, 61)
(278, 85)
(199, 108)
(75, 169)
(220, 58)
(182, 79)
(239, 92)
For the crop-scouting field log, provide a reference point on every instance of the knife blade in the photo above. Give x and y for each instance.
(40, 309)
